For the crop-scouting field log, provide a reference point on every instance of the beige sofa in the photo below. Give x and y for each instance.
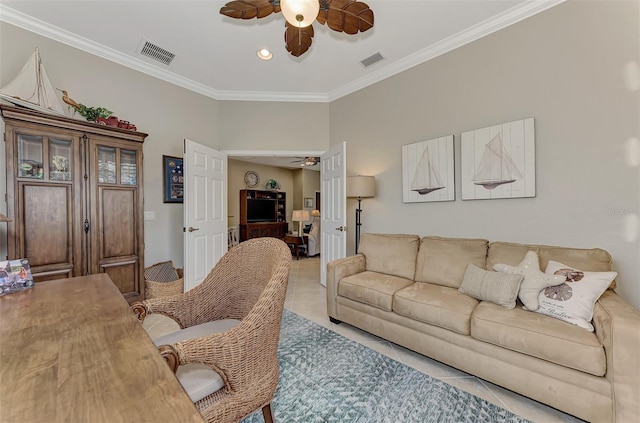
(405, 289)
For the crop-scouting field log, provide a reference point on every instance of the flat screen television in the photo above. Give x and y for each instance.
(261, 210)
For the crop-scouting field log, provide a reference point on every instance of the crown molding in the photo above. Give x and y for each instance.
(507, 18)
(272, 96)
(489, 26)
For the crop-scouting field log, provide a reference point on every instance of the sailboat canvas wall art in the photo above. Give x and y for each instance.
(499, 161)
(428, 171)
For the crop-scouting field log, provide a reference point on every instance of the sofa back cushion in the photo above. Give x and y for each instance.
(390, 254)
(592, 259)
(443, 261)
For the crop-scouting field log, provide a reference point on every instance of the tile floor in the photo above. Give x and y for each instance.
(306, 297)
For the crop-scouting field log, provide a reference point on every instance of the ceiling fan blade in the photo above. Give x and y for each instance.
(298, 40)
(249, 9)
(346, 16)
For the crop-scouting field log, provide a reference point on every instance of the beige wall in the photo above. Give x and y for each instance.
(305, 183)
(238, 168)
(310, 184)
(566, 68)
(280, 126)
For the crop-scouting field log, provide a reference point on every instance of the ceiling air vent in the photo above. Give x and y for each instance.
(156, 53)
(371, 60)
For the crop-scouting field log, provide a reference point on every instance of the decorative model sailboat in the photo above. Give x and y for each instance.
(31, 88)
(496, 166)
(426, 179)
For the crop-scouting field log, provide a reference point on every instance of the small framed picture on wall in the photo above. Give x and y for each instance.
(173, 179)
(308, 202)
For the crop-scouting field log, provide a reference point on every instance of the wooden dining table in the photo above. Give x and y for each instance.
(72, 351)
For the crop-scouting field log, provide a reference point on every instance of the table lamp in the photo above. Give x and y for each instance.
(300, 216)
(315, 213)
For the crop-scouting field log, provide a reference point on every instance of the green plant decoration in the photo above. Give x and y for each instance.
(92, 113)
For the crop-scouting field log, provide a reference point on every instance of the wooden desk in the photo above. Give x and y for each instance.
(295, 242)
(72, 351)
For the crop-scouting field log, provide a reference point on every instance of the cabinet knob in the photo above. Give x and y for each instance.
(191, 229)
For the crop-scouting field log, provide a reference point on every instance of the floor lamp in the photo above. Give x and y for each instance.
(360, 187)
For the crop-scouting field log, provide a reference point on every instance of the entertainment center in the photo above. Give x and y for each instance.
(262, 213)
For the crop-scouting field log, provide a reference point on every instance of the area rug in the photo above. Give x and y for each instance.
(325, 377)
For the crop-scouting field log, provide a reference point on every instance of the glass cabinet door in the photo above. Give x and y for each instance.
(128, 167)
(30, 156)
(59, 160)
(106, 165)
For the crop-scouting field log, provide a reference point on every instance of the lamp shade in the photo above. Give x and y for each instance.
(361, 186)
(4, 218)
(315, 213)
(300, 216)
(300, 13)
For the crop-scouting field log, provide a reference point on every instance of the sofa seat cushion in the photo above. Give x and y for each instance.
(539, 336)
(436, 305)
(390, 254)
(444, 261)
(372, 288)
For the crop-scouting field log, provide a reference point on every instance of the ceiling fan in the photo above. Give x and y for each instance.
(307, 161)
(349, 16)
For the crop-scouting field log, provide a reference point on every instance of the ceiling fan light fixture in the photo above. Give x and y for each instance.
(300, 13)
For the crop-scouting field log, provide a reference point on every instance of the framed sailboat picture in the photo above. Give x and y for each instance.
(427, 171)
(499, 161)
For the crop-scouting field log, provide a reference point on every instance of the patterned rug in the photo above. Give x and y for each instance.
(325, 377)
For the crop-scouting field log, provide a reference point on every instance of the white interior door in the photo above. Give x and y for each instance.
(205, 211)
(333, 182)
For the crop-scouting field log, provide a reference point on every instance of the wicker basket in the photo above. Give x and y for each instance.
(163, 289)
(163, 280)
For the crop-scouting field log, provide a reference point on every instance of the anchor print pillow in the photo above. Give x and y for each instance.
(573, 300)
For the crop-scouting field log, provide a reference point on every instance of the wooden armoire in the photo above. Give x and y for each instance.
(75, 197)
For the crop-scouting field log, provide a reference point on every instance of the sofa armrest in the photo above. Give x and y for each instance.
(336, 270)
(617, 325)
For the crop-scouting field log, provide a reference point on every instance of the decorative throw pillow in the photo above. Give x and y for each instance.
(573, 300)
(498, 288)
(534, 280)
(161, 272)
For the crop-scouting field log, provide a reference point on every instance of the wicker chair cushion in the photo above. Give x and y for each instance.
(161, 272)
(198, 380)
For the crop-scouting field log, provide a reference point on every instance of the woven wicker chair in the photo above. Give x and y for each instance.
(249, 284)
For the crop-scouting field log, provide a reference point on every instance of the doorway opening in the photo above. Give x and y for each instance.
(297, 173)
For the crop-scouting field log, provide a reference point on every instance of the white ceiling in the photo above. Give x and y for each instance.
(216, 55)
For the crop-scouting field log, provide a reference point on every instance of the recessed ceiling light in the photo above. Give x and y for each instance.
(264, 54)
